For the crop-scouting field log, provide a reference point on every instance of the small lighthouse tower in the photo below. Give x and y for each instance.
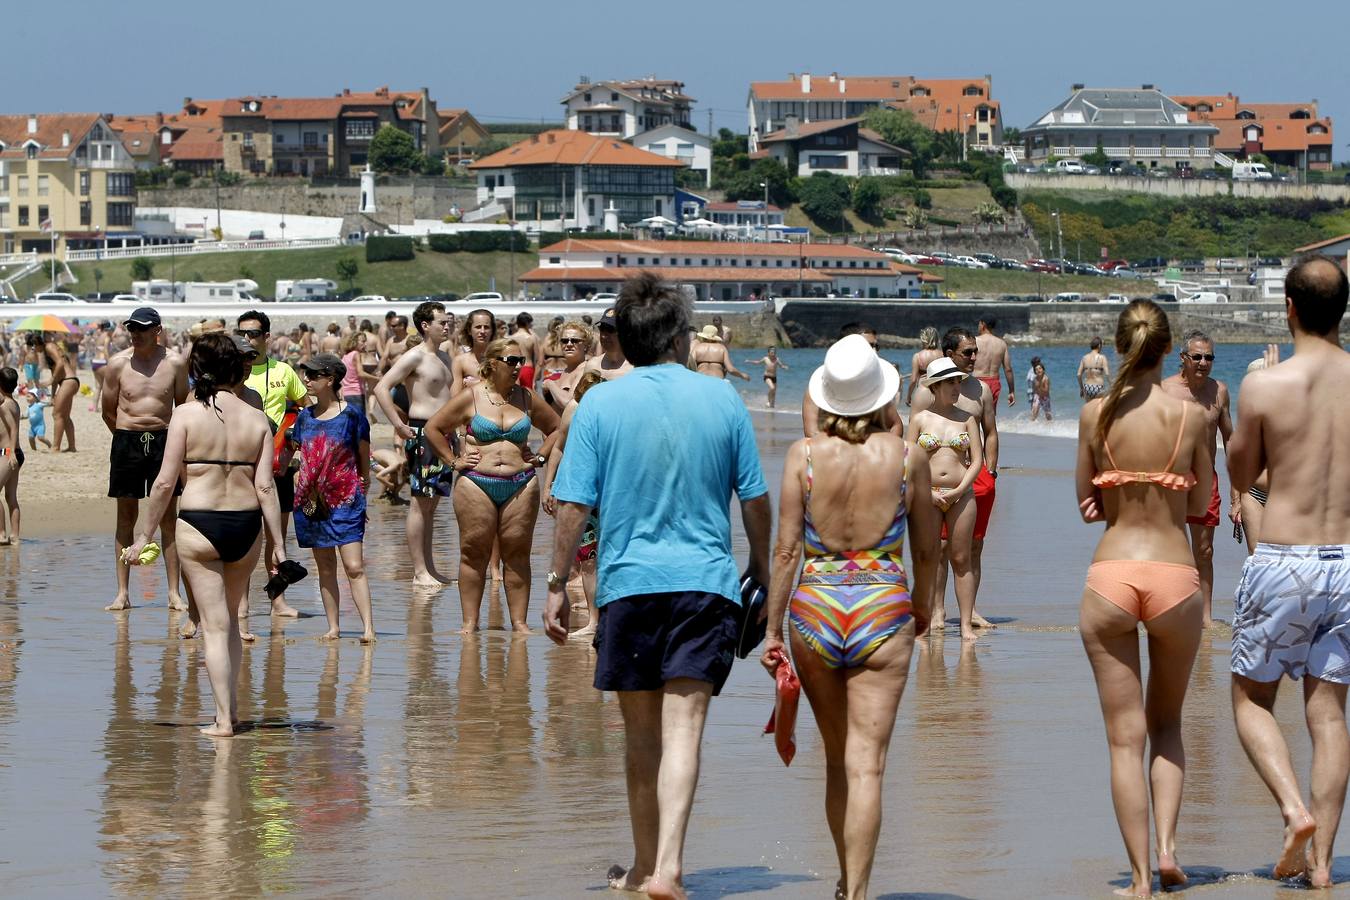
(368, 190)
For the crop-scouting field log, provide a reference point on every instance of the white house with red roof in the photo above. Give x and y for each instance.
(722, 270)
(625, 108)
(840, 146)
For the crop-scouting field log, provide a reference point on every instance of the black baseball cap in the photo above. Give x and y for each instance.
(145, 315)
(326, 364)
(244, 345)
(608, 320)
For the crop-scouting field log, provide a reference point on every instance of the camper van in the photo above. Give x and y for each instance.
(242, 290)
(301, 289)
(158, 290)
(1251, 171)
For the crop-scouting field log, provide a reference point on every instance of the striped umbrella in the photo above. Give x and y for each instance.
(44, 323)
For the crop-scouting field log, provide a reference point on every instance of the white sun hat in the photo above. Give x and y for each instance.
(854, 380)
(941, 369)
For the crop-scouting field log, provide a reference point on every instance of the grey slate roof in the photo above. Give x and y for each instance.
(1136, 108)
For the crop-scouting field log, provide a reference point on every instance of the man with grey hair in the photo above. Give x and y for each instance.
(1194, 384)
(668, 588)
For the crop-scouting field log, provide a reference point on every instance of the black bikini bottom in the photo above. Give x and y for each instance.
(231, 531)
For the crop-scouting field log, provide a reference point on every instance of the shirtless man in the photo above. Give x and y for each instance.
(722, 331)
(993, 355)
(771, 364)
(531, 346)
(480, 329)
(1292, 612)
(386, 326)
(332, 341)
(1094, 372)
(350, 327)
(610, 362)
(395, 346)
(426, 371)
(891, 411)
(141, 386)
(708, 355)
(978, 400)
(1193, 383)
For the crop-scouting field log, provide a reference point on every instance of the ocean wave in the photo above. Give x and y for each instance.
(1057, 428)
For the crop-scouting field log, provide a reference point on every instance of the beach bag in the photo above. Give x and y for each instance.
(783, 720)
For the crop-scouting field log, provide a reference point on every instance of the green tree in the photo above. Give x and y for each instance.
(392, 150)
(98, 277)
(728, 143)
(746, 185)
(182, 178)
(867, 197)
(432, 165)
(142, 269)
(1012, 136)
(347, 270)
(901, 128)
(246, 272)
(824, 197)
(1097, 157)
(948, 145)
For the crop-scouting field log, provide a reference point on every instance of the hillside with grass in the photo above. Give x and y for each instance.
(427, 272)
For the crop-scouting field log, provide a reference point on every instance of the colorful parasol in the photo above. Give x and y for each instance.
(44, 323)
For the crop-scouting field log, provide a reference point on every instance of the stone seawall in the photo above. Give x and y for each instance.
(1179, 187)
(400, 201)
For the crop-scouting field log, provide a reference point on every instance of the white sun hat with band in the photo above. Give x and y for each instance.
(942, 369)
(854, 380)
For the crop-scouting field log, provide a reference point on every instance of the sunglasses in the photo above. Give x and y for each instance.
(511, 360)
(968, 353)
(310, 373)
(1198, 357)
(570, 341)
(250, 333)
(137, 328)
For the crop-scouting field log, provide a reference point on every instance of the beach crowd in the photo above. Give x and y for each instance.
(226, 436)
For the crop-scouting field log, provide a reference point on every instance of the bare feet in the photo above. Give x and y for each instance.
(281, 608)
(1132, 891)
(1298, 830)
(1170, 874)
(246, 635)
(968, 634)
(621, 879)
(938, 619)
(427, 580)
(177, 603)
(468, 628)
(188, 630)
(120, 602)
(368, 637)
(980, 621)
(521, 628)
(663, 889)
(215, 729)
(329, 635)
(1319, 877)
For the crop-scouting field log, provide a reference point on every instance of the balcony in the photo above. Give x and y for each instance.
(84, 162)
(310, 149)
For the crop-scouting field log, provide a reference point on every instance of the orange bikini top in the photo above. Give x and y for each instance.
(1172, 481)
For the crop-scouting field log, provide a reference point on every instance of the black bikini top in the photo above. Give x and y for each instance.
(216, 462)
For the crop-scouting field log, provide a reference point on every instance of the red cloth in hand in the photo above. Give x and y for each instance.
(783, 720)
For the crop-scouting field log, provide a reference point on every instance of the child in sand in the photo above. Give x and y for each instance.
(389, 466)
(37, 418)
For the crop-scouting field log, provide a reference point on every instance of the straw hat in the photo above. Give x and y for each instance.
(942, 369)
(854, 380)
(710, 333)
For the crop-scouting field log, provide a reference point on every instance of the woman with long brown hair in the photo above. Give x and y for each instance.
(65, 385)
(496, 496)
(1141, 465)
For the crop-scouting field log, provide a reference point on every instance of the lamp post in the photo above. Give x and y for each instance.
(764, 213)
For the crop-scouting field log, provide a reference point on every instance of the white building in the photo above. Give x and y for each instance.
(722, 270)
(839, 146)
(626, 108)
(680, 143)
(751, 213)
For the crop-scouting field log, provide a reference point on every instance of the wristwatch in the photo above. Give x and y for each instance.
(541, 460)
(554, 581)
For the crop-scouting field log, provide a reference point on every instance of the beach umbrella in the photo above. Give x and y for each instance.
(44, 323)
(657, 222)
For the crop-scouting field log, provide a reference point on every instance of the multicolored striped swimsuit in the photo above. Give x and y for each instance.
(849, 602)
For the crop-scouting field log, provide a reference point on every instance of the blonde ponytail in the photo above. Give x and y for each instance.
(1143, 336)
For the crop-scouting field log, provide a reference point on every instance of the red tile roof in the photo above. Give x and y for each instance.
(713, 248)
(51, 130)
(588, 274)
(1320, 244)
(197, 151)
(945, 106)
(572, 148)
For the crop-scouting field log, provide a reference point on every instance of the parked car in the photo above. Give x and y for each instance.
(971, 262)
(1068, 297)
(1041, 265)
(1211, 175)
(1230, 264)
(1128, 170)
(988, 259)
(1014, 264)
(371, 298)
(1164, 297)
(1125, 272)
(256, 236)
(1269, 261)
(1252, 171)
(947, 258)
(1206, 297)
(1028, 169)
(1090, 269)
(1150, 262)
(923, 259)
(1159, 173)
(484, 297)
(1069, 167)
(54, 298)
(1011, 298)
(605, 298)
(1091, 170)
(99, 296)
(1185, 172)
(1192, 265)
(125, 298)
(1116, 298)
(1111, 264)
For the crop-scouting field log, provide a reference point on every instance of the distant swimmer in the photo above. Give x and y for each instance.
(1040, 395)
(1292, 610)
(918, 364)
(1193, 384)
(1142, 464)
(141, 388)
(994, 356)
(771, 364)
(1094, 371)
(708, 355)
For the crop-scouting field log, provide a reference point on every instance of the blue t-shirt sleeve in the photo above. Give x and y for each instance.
(578, 479)
(362, 427)
(749, 476)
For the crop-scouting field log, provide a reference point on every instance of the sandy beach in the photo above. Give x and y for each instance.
(433, 764)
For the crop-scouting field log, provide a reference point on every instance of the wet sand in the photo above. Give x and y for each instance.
(432, 764)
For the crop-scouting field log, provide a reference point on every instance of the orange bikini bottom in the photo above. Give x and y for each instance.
(1143, 587)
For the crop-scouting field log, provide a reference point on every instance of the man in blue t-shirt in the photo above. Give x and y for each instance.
(658, 454)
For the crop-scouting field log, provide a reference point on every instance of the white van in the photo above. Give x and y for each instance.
(1068, 297)
(1251, 171)
(1205, 297)
(158, 290)
(1069, 167)
(300, 289)
(238, 291)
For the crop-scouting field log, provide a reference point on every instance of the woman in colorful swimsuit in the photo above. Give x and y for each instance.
(951, 438)
(1141, 464)
(847, 501)
(497, 496)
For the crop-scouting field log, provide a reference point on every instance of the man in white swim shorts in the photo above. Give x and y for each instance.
(1292, 610)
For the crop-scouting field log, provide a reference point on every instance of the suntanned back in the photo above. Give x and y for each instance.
(1305, 432)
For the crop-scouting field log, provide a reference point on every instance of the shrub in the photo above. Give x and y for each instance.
(347, 270)
(989, 212)
(478, 242)
(824, 197)
(142, 269)
(182, 179)
(867, 199)
(227, 179)
(923, 199)
(380, 248)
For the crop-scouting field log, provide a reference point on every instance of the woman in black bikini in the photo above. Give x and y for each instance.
(65, 385)
(221, 448)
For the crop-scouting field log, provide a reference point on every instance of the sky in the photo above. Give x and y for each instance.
(515, 61)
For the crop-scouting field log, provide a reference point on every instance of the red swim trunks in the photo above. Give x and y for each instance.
(995, 387)
(1211, 517)
(984, 504)
(526, 379)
